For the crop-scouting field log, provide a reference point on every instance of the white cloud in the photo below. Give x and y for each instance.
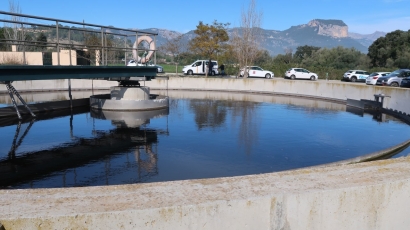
(387, 25)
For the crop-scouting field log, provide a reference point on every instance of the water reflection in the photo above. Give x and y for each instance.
(202, 135)
(128, 119)
(105, 145)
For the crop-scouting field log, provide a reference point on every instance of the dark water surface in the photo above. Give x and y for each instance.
(202, 135)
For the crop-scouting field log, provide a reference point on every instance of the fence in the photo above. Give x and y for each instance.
(83, 43)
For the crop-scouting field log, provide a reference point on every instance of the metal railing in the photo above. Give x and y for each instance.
(100, 45)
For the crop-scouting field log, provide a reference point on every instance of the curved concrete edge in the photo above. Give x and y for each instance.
(382, 154)
(371, 195)
(104, 102)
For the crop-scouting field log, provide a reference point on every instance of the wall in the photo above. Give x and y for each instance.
(373, 195)
(32, 58)
(317, 89)
(65, 57)
(36, 58)
(398, 99)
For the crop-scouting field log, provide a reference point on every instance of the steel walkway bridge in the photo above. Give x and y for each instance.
(102, 59)
(125, 75)
(112, 73)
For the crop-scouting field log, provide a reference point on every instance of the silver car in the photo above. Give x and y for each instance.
(394, 78)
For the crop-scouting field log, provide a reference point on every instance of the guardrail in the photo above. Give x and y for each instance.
(108, 43)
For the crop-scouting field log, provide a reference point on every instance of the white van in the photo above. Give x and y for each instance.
(200, 67)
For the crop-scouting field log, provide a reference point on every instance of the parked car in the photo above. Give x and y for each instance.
(394, 78)
(134, 63)
(300, 73)
(405, 82)
(355, 75)
(256, 71)
(372, 78)
(200, 67)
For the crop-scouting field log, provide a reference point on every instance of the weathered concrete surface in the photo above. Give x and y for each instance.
(372, 195)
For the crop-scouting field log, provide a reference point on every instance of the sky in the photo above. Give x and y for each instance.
(361, 16)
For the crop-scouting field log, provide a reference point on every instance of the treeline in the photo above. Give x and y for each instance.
(385, 54)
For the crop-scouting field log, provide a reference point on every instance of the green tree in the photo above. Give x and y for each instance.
(305, 51)
(391, 49)
(41, 42)
(93, 44)
(210, 39)
(3, 43)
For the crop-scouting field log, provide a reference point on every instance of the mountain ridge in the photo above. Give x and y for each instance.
(325, 33)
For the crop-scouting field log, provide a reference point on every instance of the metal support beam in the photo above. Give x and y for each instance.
(13, 100)
(16, 144)
(69, 94)
(12, 91)
(58, 44)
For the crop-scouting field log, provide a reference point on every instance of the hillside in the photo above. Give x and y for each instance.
(321, 33)
(318, 32)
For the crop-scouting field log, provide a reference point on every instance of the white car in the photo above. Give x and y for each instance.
(134, 63)
(201, 67)
(372, 78)
(256, 71)
(355, 75)
(300, 73)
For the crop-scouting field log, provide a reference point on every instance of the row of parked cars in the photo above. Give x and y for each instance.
(400, 77)
(292, 73)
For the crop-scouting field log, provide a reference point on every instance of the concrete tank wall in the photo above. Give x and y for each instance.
(322, 89)
(373, 195)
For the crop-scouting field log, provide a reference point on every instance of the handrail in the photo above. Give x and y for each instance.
(72, 22)
(101, 33)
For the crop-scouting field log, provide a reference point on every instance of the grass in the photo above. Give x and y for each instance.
(171, 68)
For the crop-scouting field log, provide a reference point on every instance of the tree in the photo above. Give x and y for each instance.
(15, 30)
(210, 39)
(93, 44)
(245, 39)
(174, 47)
(3, 44)
(41, 42)
(305, 51)
(391, 49)
(337, 58)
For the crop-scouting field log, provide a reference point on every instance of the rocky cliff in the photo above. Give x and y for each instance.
(333, 28)
(327, 33)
